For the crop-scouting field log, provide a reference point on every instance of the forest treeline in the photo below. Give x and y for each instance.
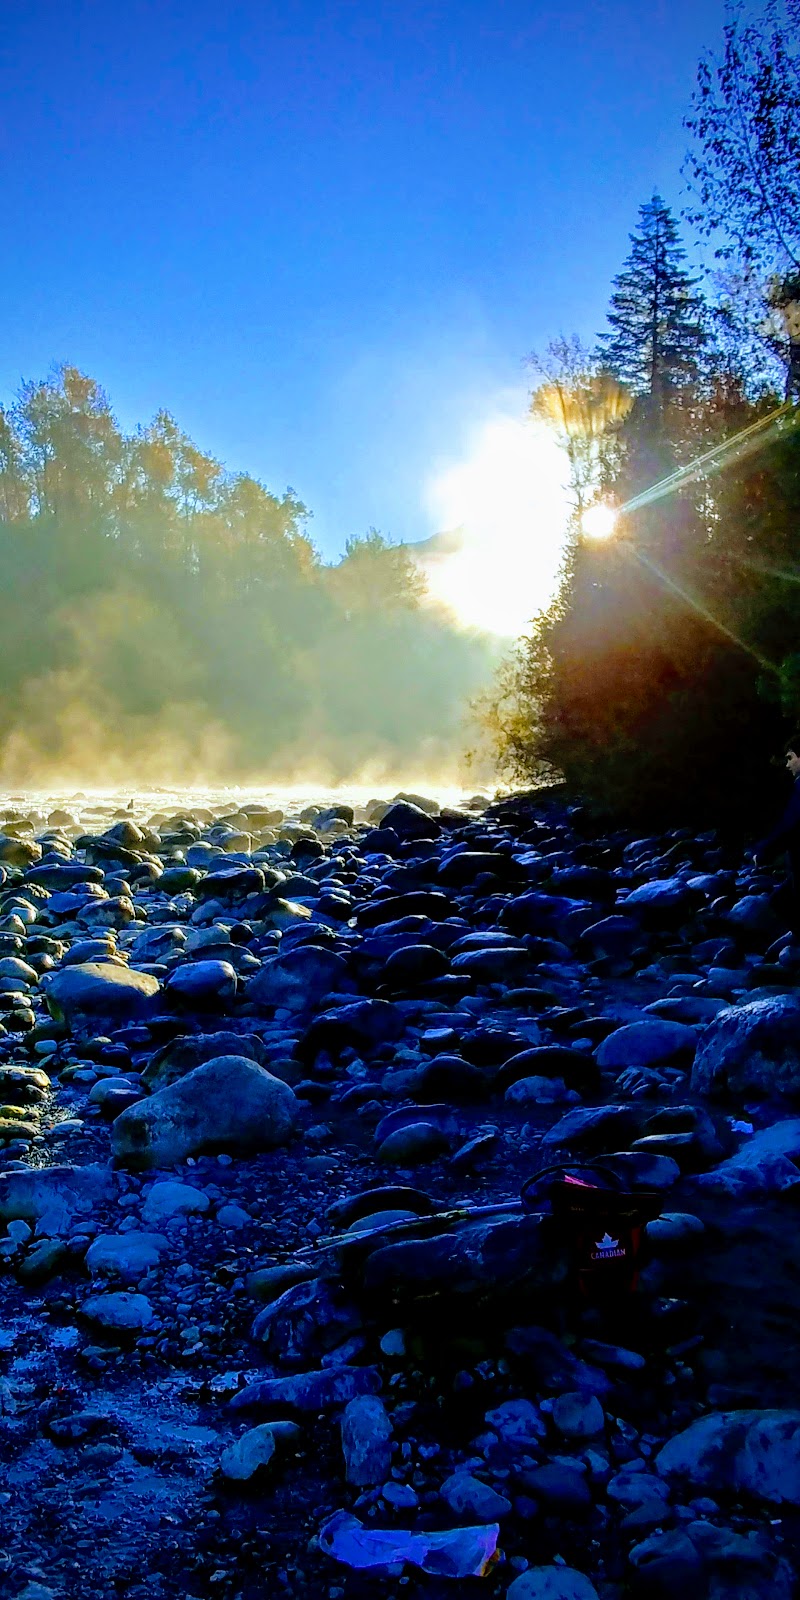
(164, 619)
(667, 672)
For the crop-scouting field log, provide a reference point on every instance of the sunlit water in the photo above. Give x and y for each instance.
(147, 802)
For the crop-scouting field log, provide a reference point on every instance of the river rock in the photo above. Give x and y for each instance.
(309, 1391)
(119, 1311)
(299, 979)
(366, 1441)
(226, 1104)
(646, 1044)
(551, 1583)
(82, 995)
(53, 1197)
(124, 1255)
(751, 1049)
(202, 983)
(182, 1054)
(741, 1452)
(468, 1497)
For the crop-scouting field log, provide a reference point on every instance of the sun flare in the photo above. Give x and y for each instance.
(599, 521)
(507, 505)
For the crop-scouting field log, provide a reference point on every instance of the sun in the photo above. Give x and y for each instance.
(599, 521)
(507, 503)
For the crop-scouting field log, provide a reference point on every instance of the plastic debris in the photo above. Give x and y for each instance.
(452, 1553)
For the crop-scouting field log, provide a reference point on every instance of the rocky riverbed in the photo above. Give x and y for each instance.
(274, 1321)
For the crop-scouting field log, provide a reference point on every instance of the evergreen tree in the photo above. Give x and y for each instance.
(656, 315)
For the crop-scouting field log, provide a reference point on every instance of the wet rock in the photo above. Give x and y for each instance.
(226, 1104)
(366, 1441)
(80, 995)
(751, 1049)
(384, 1197)
(743, 1452)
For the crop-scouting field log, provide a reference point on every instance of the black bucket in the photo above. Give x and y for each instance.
(602, 1221)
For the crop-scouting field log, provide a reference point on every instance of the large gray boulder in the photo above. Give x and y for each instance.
(751, 1049)
(82, 995)
(741, 1452)
(229, 1103)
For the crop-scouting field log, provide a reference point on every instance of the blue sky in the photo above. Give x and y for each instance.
(324, 235)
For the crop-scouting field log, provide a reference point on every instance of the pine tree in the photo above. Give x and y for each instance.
(656, 314)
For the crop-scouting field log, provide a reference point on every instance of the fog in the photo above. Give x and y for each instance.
(169, 623)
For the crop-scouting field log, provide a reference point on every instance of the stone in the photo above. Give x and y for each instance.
(593, 1129)
(255, 1450)
(578, 1416)
(767, 1163)
(646, 1044)
(493, 1253)
(419, 1141)
(80, 995)
(309, 1391)
(748, 1452)
(182, 1054)
(119, 1311)
(124, 1255)
(551, 1583)
(560, 1488)
(166, 1200)
(468, 1497)
(202, 983)
(517, 1422)
(54, 1197)
(305, 1322)
(661, 905)
(673, 1229)
(751, 1049)
(299, 980)
(228, 1103)
(668, 1564)
(366, 1441)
